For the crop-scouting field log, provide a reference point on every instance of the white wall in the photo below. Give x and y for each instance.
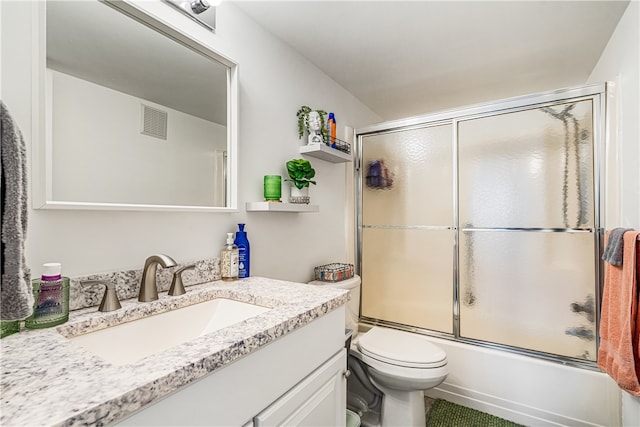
(620, 63)
(274, 83)
(98, 147)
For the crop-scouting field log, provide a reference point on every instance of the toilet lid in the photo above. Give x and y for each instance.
(401, 348)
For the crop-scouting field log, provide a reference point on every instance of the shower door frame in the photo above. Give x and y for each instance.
(597, 93)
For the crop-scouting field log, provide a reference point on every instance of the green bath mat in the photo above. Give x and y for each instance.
(447, 414)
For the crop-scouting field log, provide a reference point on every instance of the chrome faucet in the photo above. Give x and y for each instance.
(148, 286)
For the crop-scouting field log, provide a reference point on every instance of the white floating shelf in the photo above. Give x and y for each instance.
(280, 207)
(324, 152)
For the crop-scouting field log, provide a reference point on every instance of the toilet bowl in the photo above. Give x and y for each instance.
(401, 365)
(396, 364)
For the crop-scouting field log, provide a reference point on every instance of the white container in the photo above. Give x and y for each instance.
(352, 312)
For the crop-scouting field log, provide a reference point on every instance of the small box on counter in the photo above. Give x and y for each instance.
(333, 272)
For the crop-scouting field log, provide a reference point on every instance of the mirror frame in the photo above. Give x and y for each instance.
(42, 156)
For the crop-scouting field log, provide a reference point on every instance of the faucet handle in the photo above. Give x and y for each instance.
(177, 287)
(110, 301)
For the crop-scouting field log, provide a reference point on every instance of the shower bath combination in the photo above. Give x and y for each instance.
(491, 232)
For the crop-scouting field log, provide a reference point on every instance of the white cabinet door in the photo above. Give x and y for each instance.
(319, 400)
(234, 394)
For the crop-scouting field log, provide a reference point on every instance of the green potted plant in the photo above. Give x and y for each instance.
(311, 121)
(300, 173)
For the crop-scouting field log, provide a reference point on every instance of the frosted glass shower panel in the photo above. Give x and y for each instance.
(531, 168)
(531, 290)
(407, 277)
(419, 162)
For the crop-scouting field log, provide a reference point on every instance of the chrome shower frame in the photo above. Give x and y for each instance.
(598, 94)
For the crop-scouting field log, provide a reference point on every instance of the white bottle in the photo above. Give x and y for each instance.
(229, 260)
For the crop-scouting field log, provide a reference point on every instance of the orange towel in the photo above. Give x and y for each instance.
(619, 351)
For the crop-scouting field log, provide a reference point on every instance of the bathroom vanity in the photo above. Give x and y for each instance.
(285, 365)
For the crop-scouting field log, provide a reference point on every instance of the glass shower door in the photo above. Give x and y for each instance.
(526, 225)
(407, 227)
(482, 224)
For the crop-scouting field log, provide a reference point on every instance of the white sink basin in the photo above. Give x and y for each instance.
(129, 342)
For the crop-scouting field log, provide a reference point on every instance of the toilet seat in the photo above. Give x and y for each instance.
(401, 349)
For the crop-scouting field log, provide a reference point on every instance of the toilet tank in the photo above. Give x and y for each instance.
(353, 305)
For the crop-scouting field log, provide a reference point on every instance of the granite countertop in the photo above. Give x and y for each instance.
(47, 381)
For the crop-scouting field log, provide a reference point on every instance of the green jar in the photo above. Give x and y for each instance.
(51, 303)
(272, 188)
(8, 327)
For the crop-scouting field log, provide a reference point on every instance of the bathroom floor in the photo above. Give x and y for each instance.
(441, 413)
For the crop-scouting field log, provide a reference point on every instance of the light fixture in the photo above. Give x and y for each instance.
(199, 6)
(201, 11)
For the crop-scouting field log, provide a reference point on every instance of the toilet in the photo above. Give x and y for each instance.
(390, 368)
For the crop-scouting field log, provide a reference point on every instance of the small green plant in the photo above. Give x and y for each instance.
(303, 120)
(300, 171)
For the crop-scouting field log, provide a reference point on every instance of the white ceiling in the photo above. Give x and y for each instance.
(97, 43)
(405, 58)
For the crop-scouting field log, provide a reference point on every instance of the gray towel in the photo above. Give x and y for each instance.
(16, 295)
(615, 246)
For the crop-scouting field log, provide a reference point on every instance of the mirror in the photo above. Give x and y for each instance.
(138, 116)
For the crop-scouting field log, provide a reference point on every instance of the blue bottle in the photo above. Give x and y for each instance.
(243, 247)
